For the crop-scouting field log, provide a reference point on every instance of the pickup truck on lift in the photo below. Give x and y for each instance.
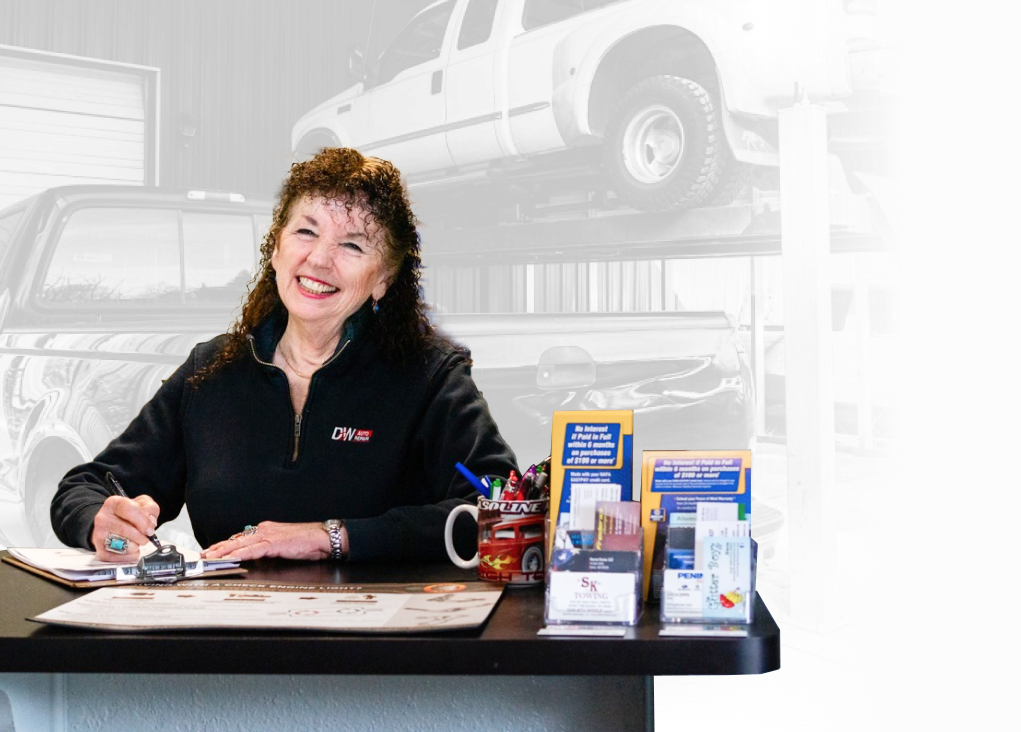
(105, 289)
(671, 101)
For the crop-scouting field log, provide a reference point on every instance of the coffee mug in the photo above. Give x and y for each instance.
(512, 540)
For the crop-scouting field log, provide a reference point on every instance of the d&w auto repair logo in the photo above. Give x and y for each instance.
(351, 434)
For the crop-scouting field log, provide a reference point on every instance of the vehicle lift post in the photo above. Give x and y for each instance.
(811, 450)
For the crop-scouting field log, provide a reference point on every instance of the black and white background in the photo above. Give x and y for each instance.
(923, 386)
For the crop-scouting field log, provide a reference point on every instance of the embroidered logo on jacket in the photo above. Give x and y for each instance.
(351, 434)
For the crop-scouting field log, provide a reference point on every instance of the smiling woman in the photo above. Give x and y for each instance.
(328, 262)
(329, 418)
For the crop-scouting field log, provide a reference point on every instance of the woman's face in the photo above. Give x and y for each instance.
(328, 262)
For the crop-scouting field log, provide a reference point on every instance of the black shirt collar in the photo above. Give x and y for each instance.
(267, 334)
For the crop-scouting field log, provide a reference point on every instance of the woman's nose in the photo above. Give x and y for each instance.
(321, 254)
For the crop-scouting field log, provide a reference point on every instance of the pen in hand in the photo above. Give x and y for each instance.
(112, 482)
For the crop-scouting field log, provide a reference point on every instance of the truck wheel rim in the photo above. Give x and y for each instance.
(653, 144)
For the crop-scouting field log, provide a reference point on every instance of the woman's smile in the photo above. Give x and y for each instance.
(316, 288)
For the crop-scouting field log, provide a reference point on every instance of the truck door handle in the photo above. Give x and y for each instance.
(437, 85)
(565, 367)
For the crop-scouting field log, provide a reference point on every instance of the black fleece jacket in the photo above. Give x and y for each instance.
(375, 445)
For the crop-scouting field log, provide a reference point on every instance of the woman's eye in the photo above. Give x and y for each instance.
(352, 246)
(306, 232)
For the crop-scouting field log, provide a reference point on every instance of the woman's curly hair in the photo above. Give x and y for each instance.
(343, 174)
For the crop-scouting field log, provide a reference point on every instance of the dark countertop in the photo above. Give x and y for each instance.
(507, 644)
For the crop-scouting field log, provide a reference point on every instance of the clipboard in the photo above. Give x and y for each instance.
(88, 585)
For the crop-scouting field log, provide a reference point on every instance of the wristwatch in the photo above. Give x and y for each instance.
(333, 527)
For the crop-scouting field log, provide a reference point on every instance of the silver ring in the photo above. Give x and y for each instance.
(116, 544)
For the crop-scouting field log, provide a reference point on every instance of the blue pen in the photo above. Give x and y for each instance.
(473, 479)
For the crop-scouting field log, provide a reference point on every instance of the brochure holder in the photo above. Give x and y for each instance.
(690, 596)
(588, 586)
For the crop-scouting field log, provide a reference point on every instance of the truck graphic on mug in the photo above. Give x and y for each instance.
(511, 539)
(511, 544)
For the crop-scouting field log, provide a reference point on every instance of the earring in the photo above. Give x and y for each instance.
(375, 306)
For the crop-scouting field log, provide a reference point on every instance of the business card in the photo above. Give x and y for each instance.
(603, 597)
(690, 630)
(681, 595)
(601, 631)
(726, 588)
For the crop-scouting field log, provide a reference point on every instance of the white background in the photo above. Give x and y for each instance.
(931, 644)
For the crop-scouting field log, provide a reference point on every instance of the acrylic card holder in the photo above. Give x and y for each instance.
(721, 590)
(595, 577)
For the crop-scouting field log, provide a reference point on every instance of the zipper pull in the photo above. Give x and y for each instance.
(297, 435)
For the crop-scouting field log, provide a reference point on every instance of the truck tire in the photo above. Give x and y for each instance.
(734, 177)
(664, 146)
(531, 560)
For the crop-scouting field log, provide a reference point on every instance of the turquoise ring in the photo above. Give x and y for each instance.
(248, 531)
(116, 544)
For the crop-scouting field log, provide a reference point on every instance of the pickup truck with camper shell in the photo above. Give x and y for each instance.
(667, 103)
(104, 290)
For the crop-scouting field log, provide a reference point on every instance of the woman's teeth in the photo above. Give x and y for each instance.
(316, 287)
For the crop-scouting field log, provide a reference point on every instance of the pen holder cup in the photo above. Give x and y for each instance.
(511, 540)
(722, 592)
(593, 586)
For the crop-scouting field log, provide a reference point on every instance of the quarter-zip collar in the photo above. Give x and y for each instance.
(267, 334)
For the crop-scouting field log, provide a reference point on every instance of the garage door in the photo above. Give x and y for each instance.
(65, 120)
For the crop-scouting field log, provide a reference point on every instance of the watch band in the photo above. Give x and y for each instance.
(333, 527)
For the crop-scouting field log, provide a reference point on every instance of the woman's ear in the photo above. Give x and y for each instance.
(380, 289)
(273, 256)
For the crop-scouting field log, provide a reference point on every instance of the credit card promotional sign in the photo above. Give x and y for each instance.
(590, 447)
(675, 481)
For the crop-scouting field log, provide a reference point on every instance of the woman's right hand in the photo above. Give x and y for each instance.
(133, 519)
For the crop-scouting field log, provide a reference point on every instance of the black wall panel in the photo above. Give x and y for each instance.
(239, 72)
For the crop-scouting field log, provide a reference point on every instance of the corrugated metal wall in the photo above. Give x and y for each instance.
(239, 71)
(573, 287)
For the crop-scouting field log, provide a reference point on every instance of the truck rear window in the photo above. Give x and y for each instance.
(141, 257)
(538, 13)
(219, 254)
(115, 254)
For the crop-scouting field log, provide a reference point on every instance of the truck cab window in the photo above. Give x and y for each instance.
(7, 226)
(538, 13)
(477, 25)
(420, 41)
(115, 255)
(219, 255)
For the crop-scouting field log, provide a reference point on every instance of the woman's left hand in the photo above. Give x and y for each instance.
(273, 539)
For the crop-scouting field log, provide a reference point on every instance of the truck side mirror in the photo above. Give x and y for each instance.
(357, 68)
(565, 367)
